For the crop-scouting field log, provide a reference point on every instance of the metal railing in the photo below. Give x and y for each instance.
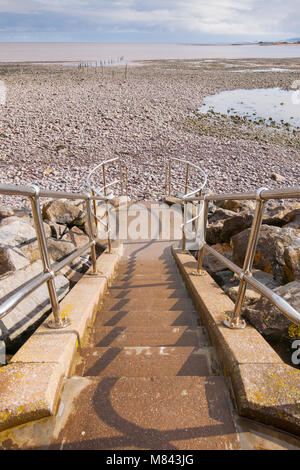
(262, 195)
(34, 193)
(188, 192)
(193, 195)
(103, 190)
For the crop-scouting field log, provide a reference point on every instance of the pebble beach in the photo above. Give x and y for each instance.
(60, 121)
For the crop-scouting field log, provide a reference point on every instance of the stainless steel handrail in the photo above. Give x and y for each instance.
(102, 192)
(187, 193)
(34, 193)
(262, 195)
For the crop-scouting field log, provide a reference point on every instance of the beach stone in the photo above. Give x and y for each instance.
(269, 256)
(292, 261)
(277, 177)
(66, 212)
(268, 320)
(32, 308)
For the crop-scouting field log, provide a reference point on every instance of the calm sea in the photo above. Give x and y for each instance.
(32, 52)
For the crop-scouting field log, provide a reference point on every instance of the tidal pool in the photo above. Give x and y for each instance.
(272, 107)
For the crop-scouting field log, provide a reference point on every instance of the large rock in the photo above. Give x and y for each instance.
(292, 261)
(31, 309)
(236, 224)
(211, 263)
(57, 230)
(267, 319)
(66, 212)
(76, 236)
(220, 214)
(269, 256)
(9, 211)
(215, 225)
(252, 296)
(237, 206)
(18, 245)
(213, 233)
(59, 249)
(292, 219)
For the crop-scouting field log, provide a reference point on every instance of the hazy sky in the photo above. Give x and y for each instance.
(149, 20)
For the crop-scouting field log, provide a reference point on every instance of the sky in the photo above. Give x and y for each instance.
(199, 21)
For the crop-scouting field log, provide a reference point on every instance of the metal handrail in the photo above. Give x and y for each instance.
(262, 195)
(34, 193)
(102, 192)
(187, 195)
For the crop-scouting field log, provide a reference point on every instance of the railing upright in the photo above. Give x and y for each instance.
(59, 321)
(92, 235)
(199, 271)
(236, 322)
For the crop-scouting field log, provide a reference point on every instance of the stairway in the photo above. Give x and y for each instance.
(151, 371)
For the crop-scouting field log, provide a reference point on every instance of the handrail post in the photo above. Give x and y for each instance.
(95, 211)
(92, 235)
(104, 179)
(121, 177)
(186, 178)
(126, 179)
(169, 181)
(235, 322)
(199, 271)
(183, 227)
(59, 320)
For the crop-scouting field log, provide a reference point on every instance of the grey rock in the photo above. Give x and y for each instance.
(18, 245)
(236, 224)
(31, 309)
(269, 256)
(292, 260)
(65, 212)
(267, 319)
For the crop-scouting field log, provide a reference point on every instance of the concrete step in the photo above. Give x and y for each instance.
(157, 318)
(142, 336)
(147, 292)
(144, 361)
(155, 277)
(143, 281)
(148, 268)
(160, 413)
(149, 304)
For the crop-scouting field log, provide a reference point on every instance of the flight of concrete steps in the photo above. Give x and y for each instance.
(152, 372)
